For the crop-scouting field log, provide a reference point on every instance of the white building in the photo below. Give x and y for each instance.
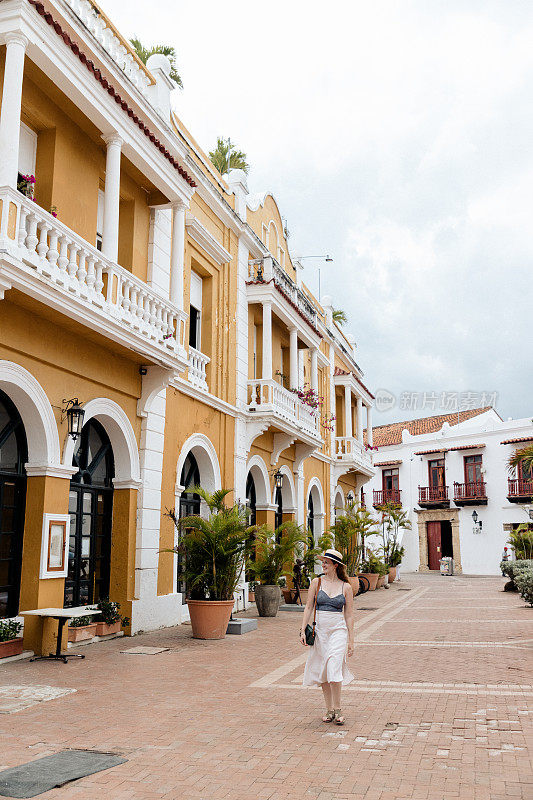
(443, 468)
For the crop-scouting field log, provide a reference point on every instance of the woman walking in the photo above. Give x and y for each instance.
(326, 663)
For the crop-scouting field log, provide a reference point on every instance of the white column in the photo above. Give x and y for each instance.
(360, 419)
(16, 44)
(112, 197)
(267, 341)
(348, 412)
(314, 369)
(369, 436)
(177, 253)
(294, 358)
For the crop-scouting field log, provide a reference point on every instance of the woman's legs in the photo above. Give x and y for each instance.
(335, 688)
(328, 699)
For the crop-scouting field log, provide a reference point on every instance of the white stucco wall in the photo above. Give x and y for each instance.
(480, 553)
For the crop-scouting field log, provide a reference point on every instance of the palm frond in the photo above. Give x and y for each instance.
(225, 157)
(339, 316)
(144, 54)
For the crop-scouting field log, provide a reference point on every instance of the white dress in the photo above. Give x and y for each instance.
(326, 662)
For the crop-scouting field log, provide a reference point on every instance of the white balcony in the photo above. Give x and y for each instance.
(283, 409)
(43, 258)
(350, 452)
(197, 368)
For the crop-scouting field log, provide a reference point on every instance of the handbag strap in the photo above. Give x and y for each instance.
(316, 596)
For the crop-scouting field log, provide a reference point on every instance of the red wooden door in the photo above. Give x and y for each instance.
(434, 545)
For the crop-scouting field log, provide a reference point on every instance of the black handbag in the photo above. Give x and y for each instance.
(310, 630)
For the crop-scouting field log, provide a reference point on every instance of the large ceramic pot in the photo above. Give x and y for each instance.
(209, 618)
(392, 574)
(267, 599)
(372, 578)
(354, 583)
(381, 581)
(304, 594)
(13, 647)
(288, 596)
(82, 633)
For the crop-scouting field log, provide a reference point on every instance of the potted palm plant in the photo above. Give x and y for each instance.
(274, 553)
(350, 531)
(213, 553)
(10, 642)
(393, 520)
(371, 568)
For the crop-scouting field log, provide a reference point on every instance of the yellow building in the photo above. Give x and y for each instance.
(135, 278)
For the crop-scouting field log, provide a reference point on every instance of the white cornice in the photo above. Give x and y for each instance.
(206, 240)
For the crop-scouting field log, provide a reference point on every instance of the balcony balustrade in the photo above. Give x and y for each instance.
(268, 397)
(40, 256)
(296, 297)
(350, 449)
(470, 494)
(519, 490)
(433, 496)
(197, 368)
(387, 497)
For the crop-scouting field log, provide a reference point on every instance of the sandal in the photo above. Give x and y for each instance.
(329, 717)
(338, 719)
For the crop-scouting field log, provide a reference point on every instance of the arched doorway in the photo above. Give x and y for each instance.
(91, 514)
(278, 502)
(251, 498)
(189, 506)
(13, 457)
(311, 515)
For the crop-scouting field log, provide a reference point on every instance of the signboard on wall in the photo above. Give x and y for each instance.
(54, 546)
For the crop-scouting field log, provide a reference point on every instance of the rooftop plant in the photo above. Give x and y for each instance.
(225, 156)
(144, 54)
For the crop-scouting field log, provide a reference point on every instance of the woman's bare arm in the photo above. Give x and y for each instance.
(309, 607)
(349, 616)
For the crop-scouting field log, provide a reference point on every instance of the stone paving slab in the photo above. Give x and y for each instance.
(428, 719)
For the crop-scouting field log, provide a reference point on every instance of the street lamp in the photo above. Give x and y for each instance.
(474, 517)
(75, 414)
(326, 258)
(350, 497)
(278, 479)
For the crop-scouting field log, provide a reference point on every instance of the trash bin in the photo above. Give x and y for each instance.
(446, 565)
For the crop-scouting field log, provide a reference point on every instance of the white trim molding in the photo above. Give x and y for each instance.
(199, 234)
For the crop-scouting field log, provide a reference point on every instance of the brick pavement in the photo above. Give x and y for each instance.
(440, 709)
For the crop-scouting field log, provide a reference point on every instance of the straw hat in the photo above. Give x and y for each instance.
(333, 555)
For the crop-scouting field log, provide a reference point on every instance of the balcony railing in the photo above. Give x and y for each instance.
(95, 22)
(286, 285)
(433, 495)
(348, 448)
(197, 368)
(519, 490)
(470, 493)
(48, 254)
(267, 396)
(383, 497)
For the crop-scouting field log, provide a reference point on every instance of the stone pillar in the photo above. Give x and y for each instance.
(360, 420)
(16, 44)
(294, 358)
(111, 197)
(177, 253)
(267, 341)
(369, 433)
(348, 412)
(314, 369)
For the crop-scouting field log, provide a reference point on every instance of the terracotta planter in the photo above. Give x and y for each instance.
(267, 599)
(392, 574)
(209, 618)
(381, 581)
(288, 596)
(251, 597)
(82, 633)
(304, 594)
(372, 578)
(354, 583)
(106, 628)
(13, 647)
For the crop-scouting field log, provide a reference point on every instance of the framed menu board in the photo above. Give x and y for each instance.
(54, 553)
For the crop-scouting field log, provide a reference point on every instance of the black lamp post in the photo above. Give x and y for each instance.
(278, 479)
(75, 414)
(474, 517)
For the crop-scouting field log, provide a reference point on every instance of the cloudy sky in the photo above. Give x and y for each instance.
(396, 136)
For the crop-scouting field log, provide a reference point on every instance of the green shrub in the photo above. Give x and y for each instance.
(79, 622)
(524, 582)
(521, 540)
(9, 629)
(110, 612)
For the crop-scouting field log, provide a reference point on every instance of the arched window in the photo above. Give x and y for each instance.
(189, 506)
(13, 456)
(91, 517)
(251, 498)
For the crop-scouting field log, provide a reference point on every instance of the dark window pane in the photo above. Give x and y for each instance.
(9, 453)
(8, 493)
(4, 573)
(5, 545)
(7, 520)
(3, 604)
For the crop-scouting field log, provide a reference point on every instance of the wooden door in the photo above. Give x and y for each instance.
(434, 545)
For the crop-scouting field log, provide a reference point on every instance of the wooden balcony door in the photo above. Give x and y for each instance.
(434, 535)
(437, 479)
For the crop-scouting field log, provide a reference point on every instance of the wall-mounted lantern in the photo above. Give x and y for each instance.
(278, 479)
(75, 414)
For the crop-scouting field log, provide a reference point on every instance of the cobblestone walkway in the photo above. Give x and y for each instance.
(441, 707)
